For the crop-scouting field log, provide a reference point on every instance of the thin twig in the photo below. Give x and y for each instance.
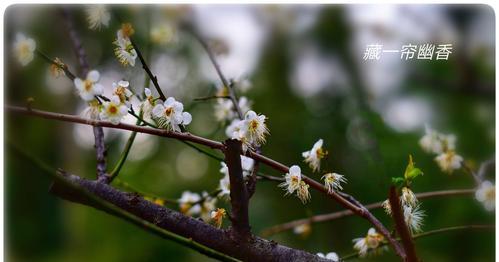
(430, 233)
(225, 82)
(211, 97)
(345, 213)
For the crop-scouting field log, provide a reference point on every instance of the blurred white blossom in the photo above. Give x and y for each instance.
(486, 193)
(24, 49)
(97, 16)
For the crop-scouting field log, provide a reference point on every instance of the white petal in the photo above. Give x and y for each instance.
(294, 170)
(93, 76)
(187, 118)
(78, 83)
(158, 110)
(147, 92)
(123, 83)
(98, 89)
(115, 99)
(169, 101)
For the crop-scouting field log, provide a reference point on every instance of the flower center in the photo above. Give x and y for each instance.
(490, 194)
(87, 85)
(253, 124)
(168, 111)
(112, 109)
(24, 49)
(321, 153)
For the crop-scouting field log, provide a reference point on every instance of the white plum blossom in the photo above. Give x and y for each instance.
(292, 180)
(255, 128)
(121, 90)
(92, 111)
(24, 49)
(224, 185)
(486, 193)
(408, 198)
(188, 203)
(449, 161)
(207, 206)
(217, 217)
(147, 105)
(413, 217)
(387, 207)
(170, 114)
(302, 192)
(437, 143)
(89, 88)
(314, 156)
(224, 108)
(97, 16)
(124, 50)
(333, 181)
(331, 256)
(113, 110)
(303, 229)
(162, 34)
(370, 242)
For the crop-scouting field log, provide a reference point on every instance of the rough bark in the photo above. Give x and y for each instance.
(256, 249)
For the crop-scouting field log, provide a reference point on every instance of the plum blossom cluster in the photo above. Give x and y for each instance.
(371, 244)
(443, 145)
(193, 204)
(294, 183)
(224, 184)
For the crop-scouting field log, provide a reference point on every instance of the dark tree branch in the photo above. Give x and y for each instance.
(239, 197)
(146, 68)
(100, 147)
(76, 42)
(401, 226)
(357, 208)
(257, 249)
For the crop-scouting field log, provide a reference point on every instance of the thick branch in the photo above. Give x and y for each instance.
(401, 226)
(220, 240)
(345, 213)
(239, 197)
(357, 208)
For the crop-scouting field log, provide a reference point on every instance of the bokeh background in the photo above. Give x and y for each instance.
(303, 68)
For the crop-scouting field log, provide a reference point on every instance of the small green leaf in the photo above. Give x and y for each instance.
(411, 171)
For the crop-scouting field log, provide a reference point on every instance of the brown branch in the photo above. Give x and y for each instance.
(345, 213)
(401, 226)
(146, 68)
(218, 239)
(76, 42)
(239, 198)
(357, 208)
(100, 147)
